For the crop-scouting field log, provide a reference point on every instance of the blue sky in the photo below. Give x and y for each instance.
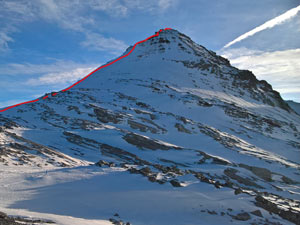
(46, 45)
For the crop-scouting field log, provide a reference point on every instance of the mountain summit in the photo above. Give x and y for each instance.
(173, 57)
(169, 134)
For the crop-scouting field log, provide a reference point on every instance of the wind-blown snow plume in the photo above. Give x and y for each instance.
(269, 24)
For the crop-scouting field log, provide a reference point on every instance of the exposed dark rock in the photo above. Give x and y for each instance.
(152, 178)
(75, 108)
(257, 213)
(102, 163)
(145, 171)
(175, 183)
(151, 115)
(244, 216)
(212, 212)
(77, 139)
(230, 172)
(146, 143)
(215, 160)
(17, 220)
(106, 116)
(173, 162)
(205, 179)
(143, 105)
(163, 130)
(118, 153)
(123, 96)
(290, 215)
(115, 222)
(163, 40)
(288, 180)
(181, 128)
(141, 127)
(238, 191)
(260, 172)
(169, 169)
(5, 220)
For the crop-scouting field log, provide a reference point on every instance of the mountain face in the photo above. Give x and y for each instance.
(170, 134)
(294, 105)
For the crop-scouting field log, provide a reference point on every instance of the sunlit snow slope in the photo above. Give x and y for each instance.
(171, 134)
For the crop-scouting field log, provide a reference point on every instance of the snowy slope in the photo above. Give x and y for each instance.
(171, 134)
(294, 105)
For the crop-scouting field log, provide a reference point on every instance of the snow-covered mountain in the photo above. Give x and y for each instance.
(169, 134)
(294, 105)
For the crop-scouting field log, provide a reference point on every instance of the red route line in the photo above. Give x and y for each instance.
(108, 64)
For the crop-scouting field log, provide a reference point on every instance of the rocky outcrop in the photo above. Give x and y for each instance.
(17, 220)
(290, 215)
(143, 142)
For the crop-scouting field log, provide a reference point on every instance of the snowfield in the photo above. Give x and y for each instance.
(171, 134)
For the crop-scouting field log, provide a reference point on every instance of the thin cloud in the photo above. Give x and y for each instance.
(165, 4)
(269, 24)
(153, 6)
(279, 68)
(18, 69)
(67, 77)
(60, 72)
(98, 42)
(78, 16)
(4, 40)
(10, 102)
